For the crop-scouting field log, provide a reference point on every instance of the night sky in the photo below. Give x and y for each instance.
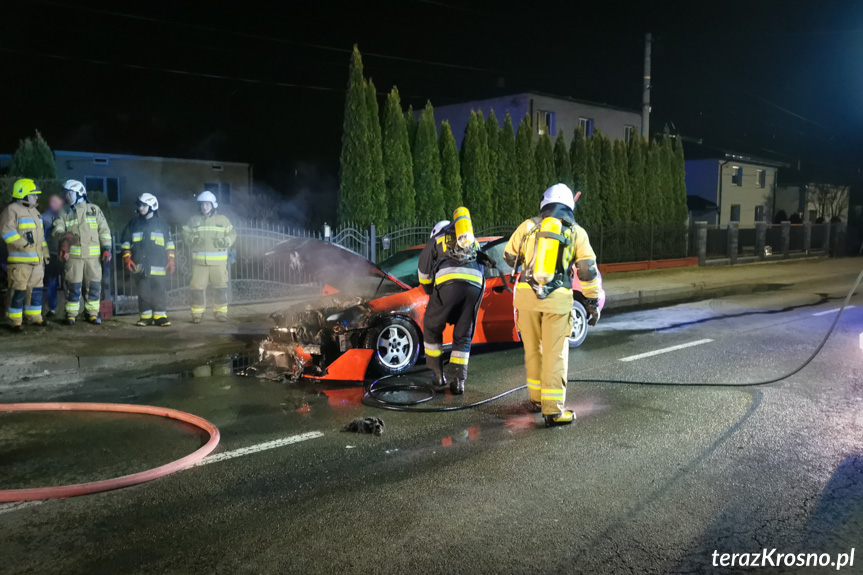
(238, 81)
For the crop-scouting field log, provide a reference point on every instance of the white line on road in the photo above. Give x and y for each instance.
(829, 311)
(665, 350)
(16, 505)
(259, 447)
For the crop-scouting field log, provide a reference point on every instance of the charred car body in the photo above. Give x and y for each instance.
(370, 318)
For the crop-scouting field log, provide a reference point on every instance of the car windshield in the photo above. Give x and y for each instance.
(403, 265)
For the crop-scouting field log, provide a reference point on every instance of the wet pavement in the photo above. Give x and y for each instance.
(648, 480)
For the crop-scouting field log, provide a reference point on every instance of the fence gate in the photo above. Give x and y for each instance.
(256, 273)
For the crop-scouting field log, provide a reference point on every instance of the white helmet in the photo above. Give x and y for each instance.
(558, 194)
(208, 197)
(149, 200)
(438, 227)
(76, 191)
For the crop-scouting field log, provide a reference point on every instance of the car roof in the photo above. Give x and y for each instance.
(482, 240)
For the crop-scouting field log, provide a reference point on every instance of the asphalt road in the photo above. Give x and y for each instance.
(648, 480)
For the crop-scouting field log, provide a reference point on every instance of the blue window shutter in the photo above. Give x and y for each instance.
(590, 128)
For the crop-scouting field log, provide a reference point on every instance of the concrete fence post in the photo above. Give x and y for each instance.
(760, 239)
(373, 243)
(701, 242)
(807, 237)
(733, 241)
(786, 238)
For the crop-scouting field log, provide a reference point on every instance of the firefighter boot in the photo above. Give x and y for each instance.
(456, 386)
(564, 418)
(95, 320)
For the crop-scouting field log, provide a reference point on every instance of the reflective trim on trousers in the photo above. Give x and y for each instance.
(92, 306)
(159, 314)
(198, 309)
(220, 308)
(33, 310)
(433, 349)
(534, 385)
(15, 313)
(147, 314)
(459, 357)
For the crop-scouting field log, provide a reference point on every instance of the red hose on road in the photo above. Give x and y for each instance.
(117, 482)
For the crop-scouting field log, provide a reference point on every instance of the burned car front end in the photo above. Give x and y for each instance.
(306, 340)
(338, 336)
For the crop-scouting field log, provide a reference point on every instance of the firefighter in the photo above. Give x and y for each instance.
(451, 272)
(547, 247)
(148, 254)
(22, 231)
(210, 235)
(84, 244)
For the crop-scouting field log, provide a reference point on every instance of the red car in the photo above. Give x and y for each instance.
(370, 320)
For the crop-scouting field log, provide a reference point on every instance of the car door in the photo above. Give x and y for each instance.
(496, 319)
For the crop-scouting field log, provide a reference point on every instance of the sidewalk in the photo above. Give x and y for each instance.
(119, 344)
(633, 289)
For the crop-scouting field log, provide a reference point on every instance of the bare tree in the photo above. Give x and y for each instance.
(830, 201)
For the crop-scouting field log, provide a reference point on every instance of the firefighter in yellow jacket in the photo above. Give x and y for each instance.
(209, 235)
(547, 248)
(22, 232)
(85, 243)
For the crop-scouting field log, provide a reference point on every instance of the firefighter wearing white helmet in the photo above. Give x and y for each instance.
(548, 248)
(148, 256)
(451, 269)
(84, 245)
(210, 235)
(22, 233)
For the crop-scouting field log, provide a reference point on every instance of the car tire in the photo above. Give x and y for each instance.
(579, 325)
(396, 345)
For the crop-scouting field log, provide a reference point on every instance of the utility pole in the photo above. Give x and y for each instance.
(645, 98)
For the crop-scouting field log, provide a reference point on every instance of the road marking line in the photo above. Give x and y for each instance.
(16, 505)
(829, 311)
(665, 350)
(259, 447)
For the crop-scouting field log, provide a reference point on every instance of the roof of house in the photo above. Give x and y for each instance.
(585, 102)
(72, 154)
(695, 151)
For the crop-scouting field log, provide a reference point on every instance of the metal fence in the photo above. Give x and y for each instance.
(256, 273)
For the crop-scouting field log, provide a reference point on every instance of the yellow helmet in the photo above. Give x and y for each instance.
(23, 188)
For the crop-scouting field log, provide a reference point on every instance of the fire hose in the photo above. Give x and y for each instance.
(375, 391)
(116, 482)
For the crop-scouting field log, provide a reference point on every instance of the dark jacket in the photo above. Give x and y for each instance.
(148, 242)
(437, 268)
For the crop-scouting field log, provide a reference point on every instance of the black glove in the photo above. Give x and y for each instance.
(29, 236)
(592, 307)
(486, 260)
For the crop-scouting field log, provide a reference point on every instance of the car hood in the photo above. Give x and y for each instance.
(327, 262)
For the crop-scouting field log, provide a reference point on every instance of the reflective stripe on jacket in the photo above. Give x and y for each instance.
(148, 242)
(18, 223)
(209, 237)
(87, 224)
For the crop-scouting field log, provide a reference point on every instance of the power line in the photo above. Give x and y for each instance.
(263, 37)
(174, 71)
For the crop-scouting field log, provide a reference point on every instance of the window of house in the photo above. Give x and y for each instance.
(222, 191)
(628, 133)
(736, 175)
(759, 213)
(108, 186)
(101, 162)
(761, 179)
(586, 125)
(545, 120)
(735, 213)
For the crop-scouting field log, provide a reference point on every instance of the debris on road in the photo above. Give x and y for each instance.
(373, 425)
